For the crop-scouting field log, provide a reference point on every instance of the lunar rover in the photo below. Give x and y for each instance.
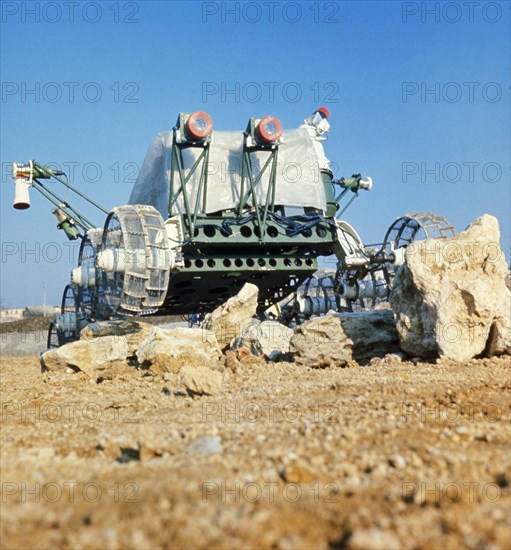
(212, 210)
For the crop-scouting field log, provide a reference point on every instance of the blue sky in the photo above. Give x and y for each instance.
(419, 94)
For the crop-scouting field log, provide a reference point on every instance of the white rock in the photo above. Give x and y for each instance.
(372, 332)
(397, 461)
(321, 342)
(268, 338)
(133, 332)
(373, 539)
(231, 318)
(201, 380)
(88, 356)
(208, 445)
(338, 337)
(169, 350)
(450, 297)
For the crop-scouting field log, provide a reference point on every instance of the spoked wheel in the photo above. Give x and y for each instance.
(134, 260)
(415, 226)
(91, 303)
(66, 326)
(70, 300)
(112, 274)
(68, 322)
(55, 336)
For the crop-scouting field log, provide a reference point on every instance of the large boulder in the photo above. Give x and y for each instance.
(169, 350)
(321, 343)
(373, 332)
(95, 358)
(230, 319)
(450, 296)
(338, 338)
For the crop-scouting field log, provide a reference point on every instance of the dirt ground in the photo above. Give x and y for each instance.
(388, 455)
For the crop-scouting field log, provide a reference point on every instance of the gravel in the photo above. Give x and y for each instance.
(388, 455)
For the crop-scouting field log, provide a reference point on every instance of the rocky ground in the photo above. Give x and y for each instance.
(143, 437)
(393, 454)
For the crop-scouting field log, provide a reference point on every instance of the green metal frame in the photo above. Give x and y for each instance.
(75, 217)
(249, 181)
(248, 174)
(177, 165)
(348, 184)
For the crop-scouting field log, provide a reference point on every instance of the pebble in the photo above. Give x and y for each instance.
(373, 539)
(208, 445)
(397, 461)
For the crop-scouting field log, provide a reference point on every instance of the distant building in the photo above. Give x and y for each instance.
(40, 311)
(8, 314)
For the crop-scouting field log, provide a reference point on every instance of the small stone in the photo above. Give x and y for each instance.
(397, 461)
(45, 453)
(128, 454)
(373, 539)
(231, 361)
(298, 474)
(201, 380)
(394, 358)
(462, 430)
(208, 445)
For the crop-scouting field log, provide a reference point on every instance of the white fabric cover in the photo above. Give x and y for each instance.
(298, 173)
